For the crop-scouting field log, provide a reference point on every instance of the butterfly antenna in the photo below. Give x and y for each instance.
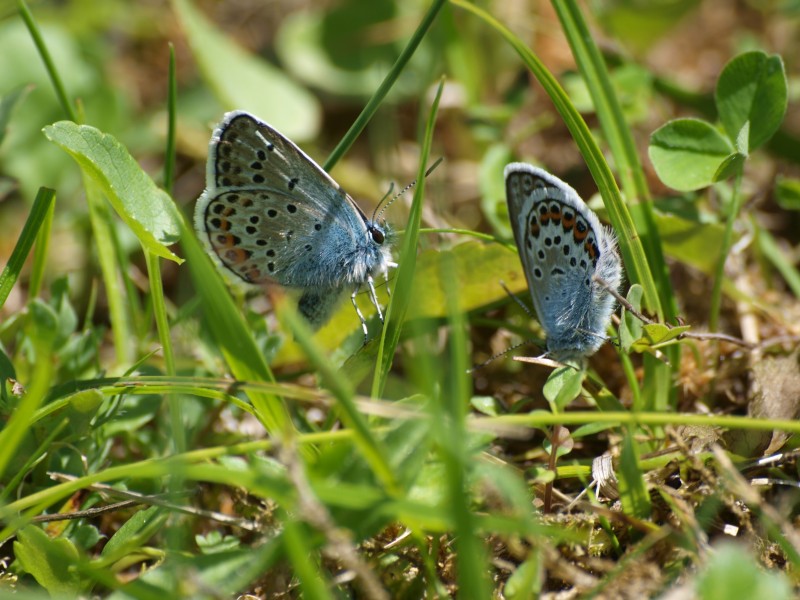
(499, 355)
(377, 215)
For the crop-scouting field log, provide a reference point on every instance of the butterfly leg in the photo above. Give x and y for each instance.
(358, 312)
(391, 265)
(374, 297)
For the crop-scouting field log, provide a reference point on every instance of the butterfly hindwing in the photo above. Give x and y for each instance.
(562, 244)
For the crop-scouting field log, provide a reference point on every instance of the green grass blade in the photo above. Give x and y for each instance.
(234, 338)
(401, 298)
(42, 207)
(42, 335)
(770, 249)
(40, 253)
(630, 245)
(58, 85)
(375, 101)
(115, 291)
(172, 119)
(612, 120)
(342, 390)
(457, 457)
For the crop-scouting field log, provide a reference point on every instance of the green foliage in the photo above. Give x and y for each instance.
(257, 456)
(751, 99)
(147, 210)
(731, 573)
(243, 81)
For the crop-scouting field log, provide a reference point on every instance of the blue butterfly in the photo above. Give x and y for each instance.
(269, 213)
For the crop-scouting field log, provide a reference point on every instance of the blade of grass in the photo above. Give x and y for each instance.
(40, 253)
(727, 241)
(115, 292)
(375, 101)
(612, 120)
(172, 118)
(657, 389)
(154, 264)
(401, 298)
(234, 338)
(456, 455)
(772, 252)
(340, 387)
(42, 337)
(630, 244)
(58, 85)
(36, 221)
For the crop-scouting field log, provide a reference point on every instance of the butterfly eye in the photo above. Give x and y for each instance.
(377, 235)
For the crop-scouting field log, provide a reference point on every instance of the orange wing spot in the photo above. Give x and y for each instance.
(580, 232)
(236, 256)
(568, 222)
(534, 227)
(592, 250)
(253, 274)
(224, 240)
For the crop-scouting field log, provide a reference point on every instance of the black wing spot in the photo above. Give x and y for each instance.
(270, 252)
(308, 247)
(258, 178)
(540, 254)
(317, 226)
(255, 165)
(537, 272)
(271, 267)
(291, 208)
(250, 230)
(261, 154)
(261, 242)
(254, 219)
(272, 213)
(293, 182)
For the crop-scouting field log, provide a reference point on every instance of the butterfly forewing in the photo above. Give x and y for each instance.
(270, 213)
(273, 214)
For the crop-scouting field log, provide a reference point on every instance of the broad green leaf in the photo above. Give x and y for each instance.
(732, 572)
(690, 241)
(787, 193)
(343, 332)
(243, 81)
(752, 88)
(687, 153)
(145, 208)
(135, 532)
(657, 333)
(48, 560)
(562, 387)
